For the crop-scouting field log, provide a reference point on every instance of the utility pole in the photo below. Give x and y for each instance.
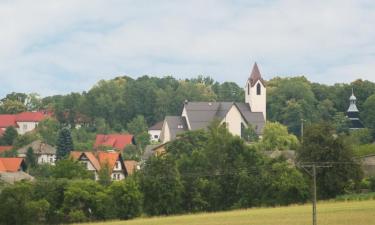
(313, 174)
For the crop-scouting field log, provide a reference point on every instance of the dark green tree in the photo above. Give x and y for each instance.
(31, 159)
(368, 113)
(9, 136)
(70, 169)
(64, 143)
(321, 145)
(138, 127)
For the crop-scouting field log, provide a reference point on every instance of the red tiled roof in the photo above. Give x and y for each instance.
(131, 166)
(5, 148)
(108, 157)
(30, 117)
(117, 141)
(75, 154)
(10, 164)
(7, 120)
(94, 161)
(255, 76)
(98, 159)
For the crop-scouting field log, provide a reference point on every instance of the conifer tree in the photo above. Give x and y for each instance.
(31, 160)
(64, 143)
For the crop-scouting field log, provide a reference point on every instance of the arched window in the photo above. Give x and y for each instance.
(248, 89)
(259, 89)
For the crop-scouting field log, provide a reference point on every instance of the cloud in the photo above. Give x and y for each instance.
(54, 47)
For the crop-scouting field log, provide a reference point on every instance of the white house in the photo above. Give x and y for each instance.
(236, 115)
(95, 161)
(45, 153)
(155, 130)
(23, 122)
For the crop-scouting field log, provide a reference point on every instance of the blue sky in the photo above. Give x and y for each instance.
(56, 47)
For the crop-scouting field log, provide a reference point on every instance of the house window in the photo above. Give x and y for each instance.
(248, 89)
(156, 136)
(258, 89)
(180, 126)
(24, 126)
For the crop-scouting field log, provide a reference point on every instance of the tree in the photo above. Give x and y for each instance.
(64, 143)
(31, 159)
(368, 113)
(321, 144)
(70, 169)
(249, 134)
(126, 198)
(276, 137)
(161, 186)
(104, 175)
(13, 107)
(9, 136)
(138, 127)
(341, 123)
(361, 136)
(25, 139)
(48, 129)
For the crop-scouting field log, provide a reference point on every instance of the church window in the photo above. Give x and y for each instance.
(248, 89)
(258, 89)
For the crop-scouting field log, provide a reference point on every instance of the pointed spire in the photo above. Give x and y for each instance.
(255, 75)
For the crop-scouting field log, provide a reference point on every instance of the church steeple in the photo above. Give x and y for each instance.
(255, 91)
(353, 113)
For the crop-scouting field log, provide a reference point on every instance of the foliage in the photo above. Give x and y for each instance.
(362, 150)
(276, 137)
(126, 198)
(131, 152)
(12, 107)
(64, 143)
(361, 136)
(25, 139)
(368, 113)
(48, 130)
(31, 159)
(161, 186)
(322, 144)
(70, 169)
(341, 123)
(138, 127)
(249, 134)
(9, 136)
(104, 175)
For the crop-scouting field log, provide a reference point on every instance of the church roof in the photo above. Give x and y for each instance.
(255, 76)
(200, 114)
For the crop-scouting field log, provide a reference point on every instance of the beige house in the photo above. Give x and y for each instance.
(46, 154)
(236, 115)
(154, 131)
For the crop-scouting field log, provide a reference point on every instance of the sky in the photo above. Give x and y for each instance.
(57, 47)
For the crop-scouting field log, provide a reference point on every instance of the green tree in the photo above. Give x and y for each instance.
(70, 169)
(48, 129)
(161, 186)
(9, 136)
(368, 113)
(25, 139)
(13, 107)
(31, 158)
(321, 144)
(127, 199)
(276, 137)
(104, 175)
(64, 143)
(341, 123)
(138, 127)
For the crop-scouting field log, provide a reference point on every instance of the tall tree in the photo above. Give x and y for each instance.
(64, 143)
(368, 113)
(138, 127)
(321, 144)
(9, 136)
(31, 159)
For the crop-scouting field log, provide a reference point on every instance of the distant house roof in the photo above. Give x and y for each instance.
(99, 159)
(117, 141)
(176, 125)
(11, 177)
(39, 148)
(200, 114)
(131, 166)
(157, 126)
(5, 148)
(7, 120)
(11, 164)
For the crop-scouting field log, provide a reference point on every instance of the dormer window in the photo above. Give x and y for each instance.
(259, 91)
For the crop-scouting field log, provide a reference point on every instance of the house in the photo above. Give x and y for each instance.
(46, 154)
(353, 113)
(113, 141)
(131, 166)
(153, 150)
(95, 161)
(12, 164)
(155, 130)
(236, 115)
(23, 122)
(368, 165)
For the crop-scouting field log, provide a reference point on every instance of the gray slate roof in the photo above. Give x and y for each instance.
(11, 177)
(200, 114)
(39, 148)
(157, 126)
(176, 124)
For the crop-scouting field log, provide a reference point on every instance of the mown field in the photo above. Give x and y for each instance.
(329, 213)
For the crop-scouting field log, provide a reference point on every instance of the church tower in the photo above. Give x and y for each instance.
(353, 113)
(255, 92)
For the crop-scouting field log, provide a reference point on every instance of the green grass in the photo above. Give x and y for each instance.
(329, 213)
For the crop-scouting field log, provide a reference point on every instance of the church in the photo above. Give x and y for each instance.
(353, 114)
(236, 115)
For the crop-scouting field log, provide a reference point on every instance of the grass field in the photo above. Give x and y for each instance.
(329, 213)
